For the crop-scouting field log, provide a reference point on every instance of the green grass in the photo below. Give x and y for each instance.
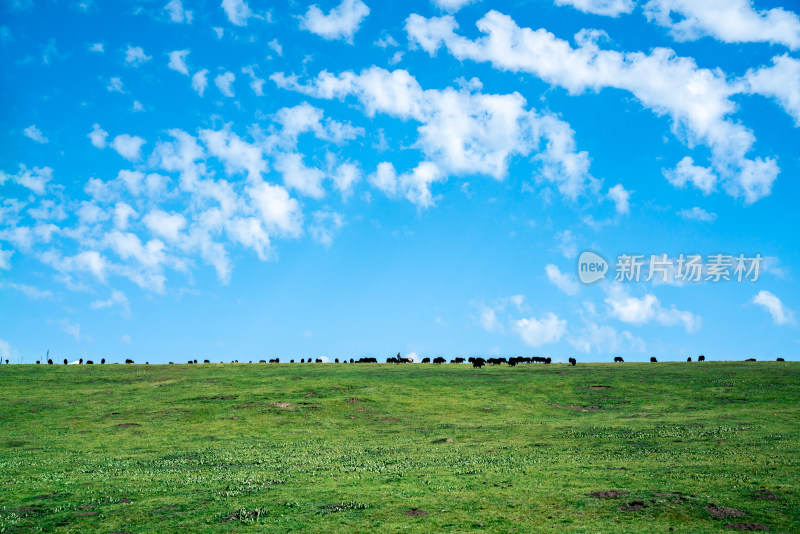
(355, 448)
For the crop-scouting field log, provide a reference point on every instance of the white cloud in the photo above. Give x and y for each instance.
(115, 85)
(256, 83)
(620, 196)
(35, 180)
(451, 6)
(279, 212)
(97, 47)
(72, 329)
(98, 136)
(137, 106)
(697, 100)
(237, 154)
(597, 338)
(126, 338)
(609, 8)
(117, 298)
(781, 315)
(123, 212)
(31, 291)
(297, 176)
(200, 81)
(165, 225)
(276, 47)
(237, 11)
(461, 132)
(219, 32)
(345, 177)
(7, 352)
(177, 61)
(688, 173)
(307, 118)
(697, 214)
(177, 13)
(780, 81)
(341, 22)
(643, 310)
(564, 282)
(224, 82)
(35, 134)
(538, 332)
(135, 56)
(730, 21)
(5, 259)
(325, 225)
(129, 147)
(566, 244)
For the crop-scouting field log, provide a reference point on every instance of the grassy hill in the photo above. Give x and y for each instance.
(414, 448)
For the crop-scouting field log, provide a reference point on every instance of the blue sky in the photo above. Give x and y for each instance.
(238, 180)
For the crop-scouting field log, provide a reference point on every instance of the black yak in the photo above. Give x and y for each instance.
(701, 358)
(439, 359)
(88, 362)
(653, 359)
(128, 361)
(426, 360)
(478, 363)
(573, 361)
(780, 360)
(618, 359)
(103, 361)
(50, 362)
(689, 359)
(206, 361)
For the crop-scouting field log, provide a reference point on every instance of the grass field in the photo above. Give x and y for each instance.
(701, 447)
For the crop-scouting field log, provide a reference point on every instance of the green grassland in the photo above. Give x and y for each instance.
(700, 447)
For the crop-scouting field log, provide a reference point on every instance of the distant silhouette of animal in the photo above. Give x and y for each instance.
(262, 361)
(206, 361)
(653, 359)
(439, 359)
(88, 362)
(336, 360)
(701, 358)
(689, 359)
(103, 361)
(477, 363)
(618, 359)
(573, 361)
(426, 360)
(50, 362)
(750, 360)
(780, 360)
(129, 361)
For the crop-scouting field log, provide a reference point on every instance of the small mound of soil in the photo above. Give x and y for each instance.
(633, 506)
(282, 404)
(766, 494)
(416, 511)
(720, 512)
(746, 526)
(607, 494)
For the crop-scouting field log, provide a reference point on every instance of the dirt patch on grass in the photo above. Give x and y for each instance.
(218, 397)
(746, 526)
(607, 494)
(633, 506)
(721, 512)
(415, 512)
(352, 400)
(443, 440)
(599, 387)
(85, 513)
(282, 405)
(766, 495)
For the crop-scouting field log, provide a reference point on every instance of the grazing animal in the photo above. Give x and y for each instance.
(190, 361)
(206, 361)
(50, 362)
(336, 360)
(426, 360)
(80, 361)
(291, 361)
(195, 361)
(780, 360)
(573, 361)
(750, 360)
(103, 361)
(129, 361)
(653, 359)
(262, 361)
(701, 358)
(439, 359)
(689, 359)
(88, 362)
(318, 360)
(618, 359)
(170, 363)
(477, 363)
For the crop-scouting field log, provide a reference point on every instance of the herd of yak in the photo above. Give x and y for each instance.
(476, 362)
